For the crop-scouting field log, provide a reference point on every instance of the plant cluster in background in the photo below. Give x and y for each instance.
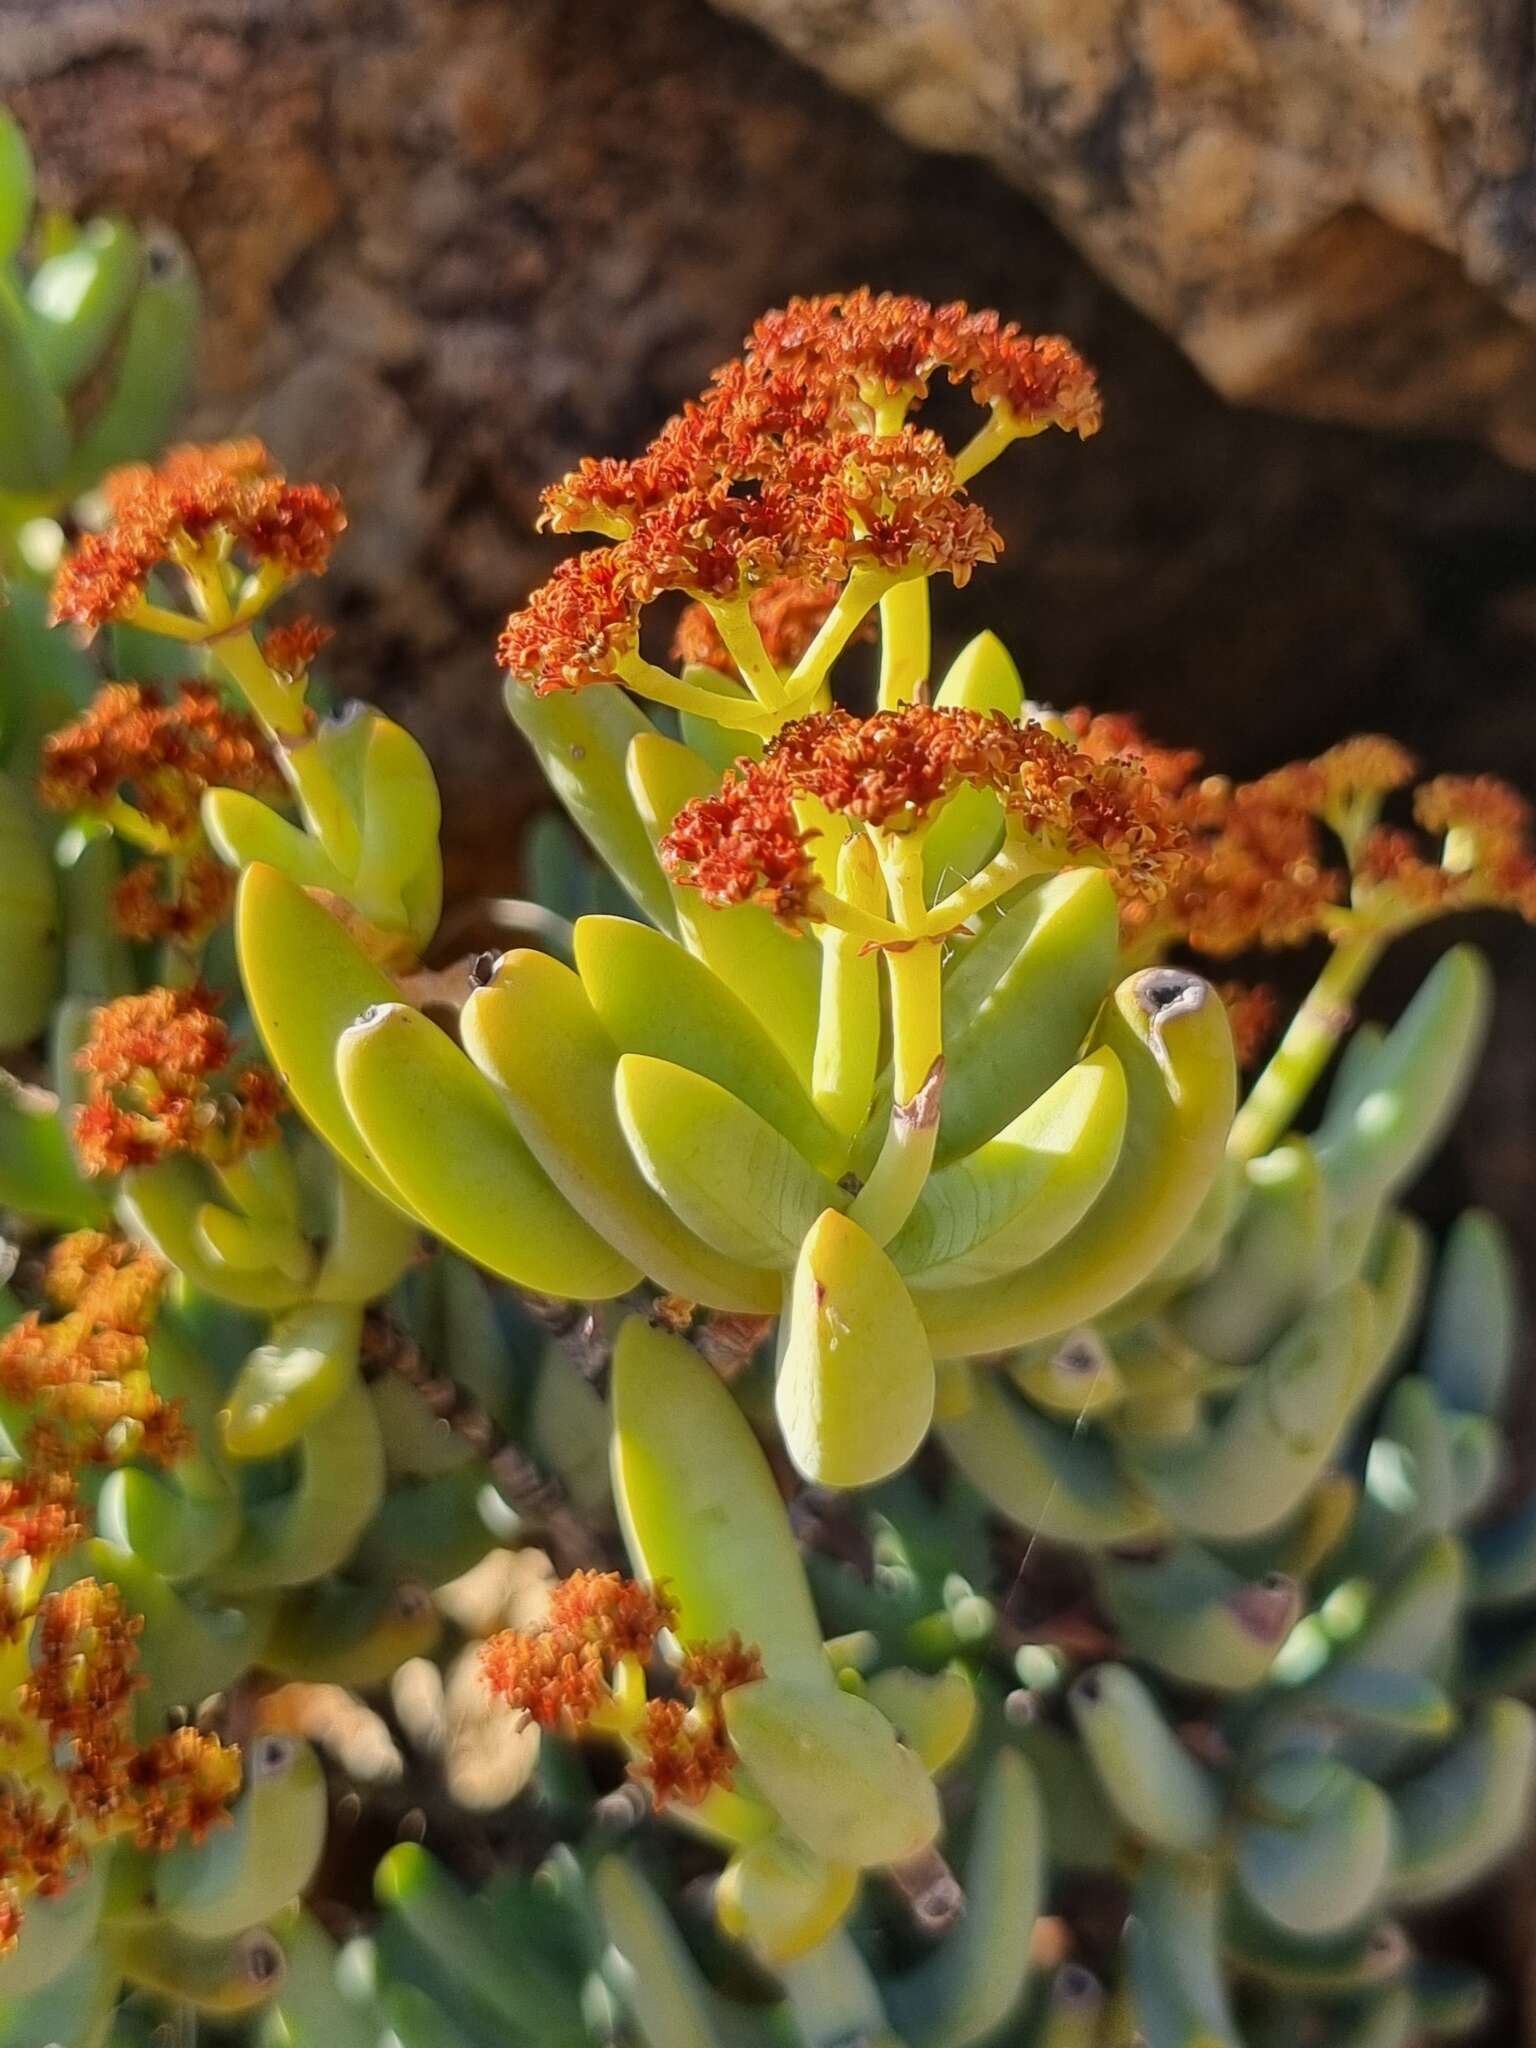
(795, 1434)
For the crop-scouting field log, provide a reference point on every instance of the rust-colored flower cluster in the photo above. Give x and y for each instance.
(80, 1692)
(163, 1078)
(142, 764)
(290, 649)
(892, 770)
(795, 466)
(83, 1377)
(561, 1676)
(1303, 850)
(40, 1517)
(131, 745)
(684, 1755)
(869, 346)
(212, 503)
(183, 899)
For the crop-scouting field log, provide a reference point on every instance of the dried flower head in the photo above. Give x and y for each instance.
(892, 770)
(214, 502)
(158, 757)
(163, 1078)
(683, 1758)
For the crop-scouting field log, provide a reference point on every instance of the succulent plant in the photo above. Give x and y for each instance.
(1036, 1559)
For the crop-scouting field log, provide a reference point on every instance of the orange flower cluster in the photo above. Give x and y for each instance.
(40, 1518)
(157, 756)
(682, 1758)
(788, 615)
(83, 1680)
(87, 1383)
(871, 346)
(290, 649)
(133, 752)
(1299, 852)
(84, 1379)
(1486, 863)
(686, 1752)
(164, 1079)
(560, 1677)
(559, 1674)
(1257, 874)
(745, 843)
(182, 899)
(783, 471)
(212, 501)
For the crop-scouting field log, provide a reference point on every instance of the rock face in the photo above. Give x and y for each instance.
(1330, 203)
(452, 245)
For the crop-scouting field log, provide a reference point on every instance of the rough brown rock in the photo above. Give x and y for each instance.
(452, 244)
(1331, 203)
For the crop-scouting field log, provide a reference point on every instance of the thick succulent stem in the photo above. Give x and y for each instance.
(1308, 1045)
